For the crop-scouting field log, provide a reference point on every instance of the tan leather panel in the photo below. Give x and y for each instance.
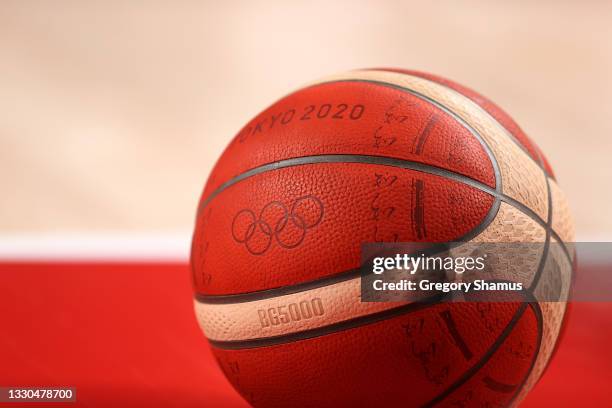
(512, 225)
(522, 178)
(250, 320)
(562, 220)
(516, 262)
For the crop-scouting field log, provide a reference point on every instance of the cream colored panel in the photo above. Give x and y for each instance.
(249, 320)
(517, 261)
(562, 220)
(512, 225)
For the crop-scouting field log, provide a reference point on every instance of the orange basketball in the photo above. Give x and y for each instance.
(377, 155)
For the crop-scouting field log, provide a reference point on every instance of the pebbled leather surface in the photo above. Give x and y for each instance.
(297, 224)
(522, 178)
(521, 263)
(494, 110)
(360, 203)
(404, 361)
(393, 124)
(242, 321)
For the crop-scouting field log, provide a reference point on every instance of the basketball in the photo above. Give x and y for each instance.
(375, 155)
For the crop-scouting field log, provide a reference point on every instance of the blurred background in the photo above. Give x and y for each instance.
(113, 113)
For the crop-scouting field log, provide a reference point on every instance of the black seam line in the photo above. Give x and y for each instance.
(483, 360)
(529, 300)
(474, 132)
(537, 310)
(332, 328)
(492, 213)
(470, 373)
(540, 164)
(534, 305)
(346, 275)
(492, 158)
(536, 218)
(345, 159)
(483, 143)
(324, 281)
(328, 280)
(362, 159)
(536, 278)
(350, 274)
(417, 167)
(278, 291)
(542, 264)
(377, 160)
(384, 161)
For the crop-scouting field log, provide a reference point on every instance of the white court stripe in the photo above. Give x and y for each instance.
(173, 247)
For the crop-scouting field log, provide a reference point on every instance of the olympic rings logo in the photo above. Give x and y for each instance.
(277, 222)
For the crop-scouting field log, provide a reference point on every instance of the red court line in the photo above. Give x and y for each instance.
(124, 334)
